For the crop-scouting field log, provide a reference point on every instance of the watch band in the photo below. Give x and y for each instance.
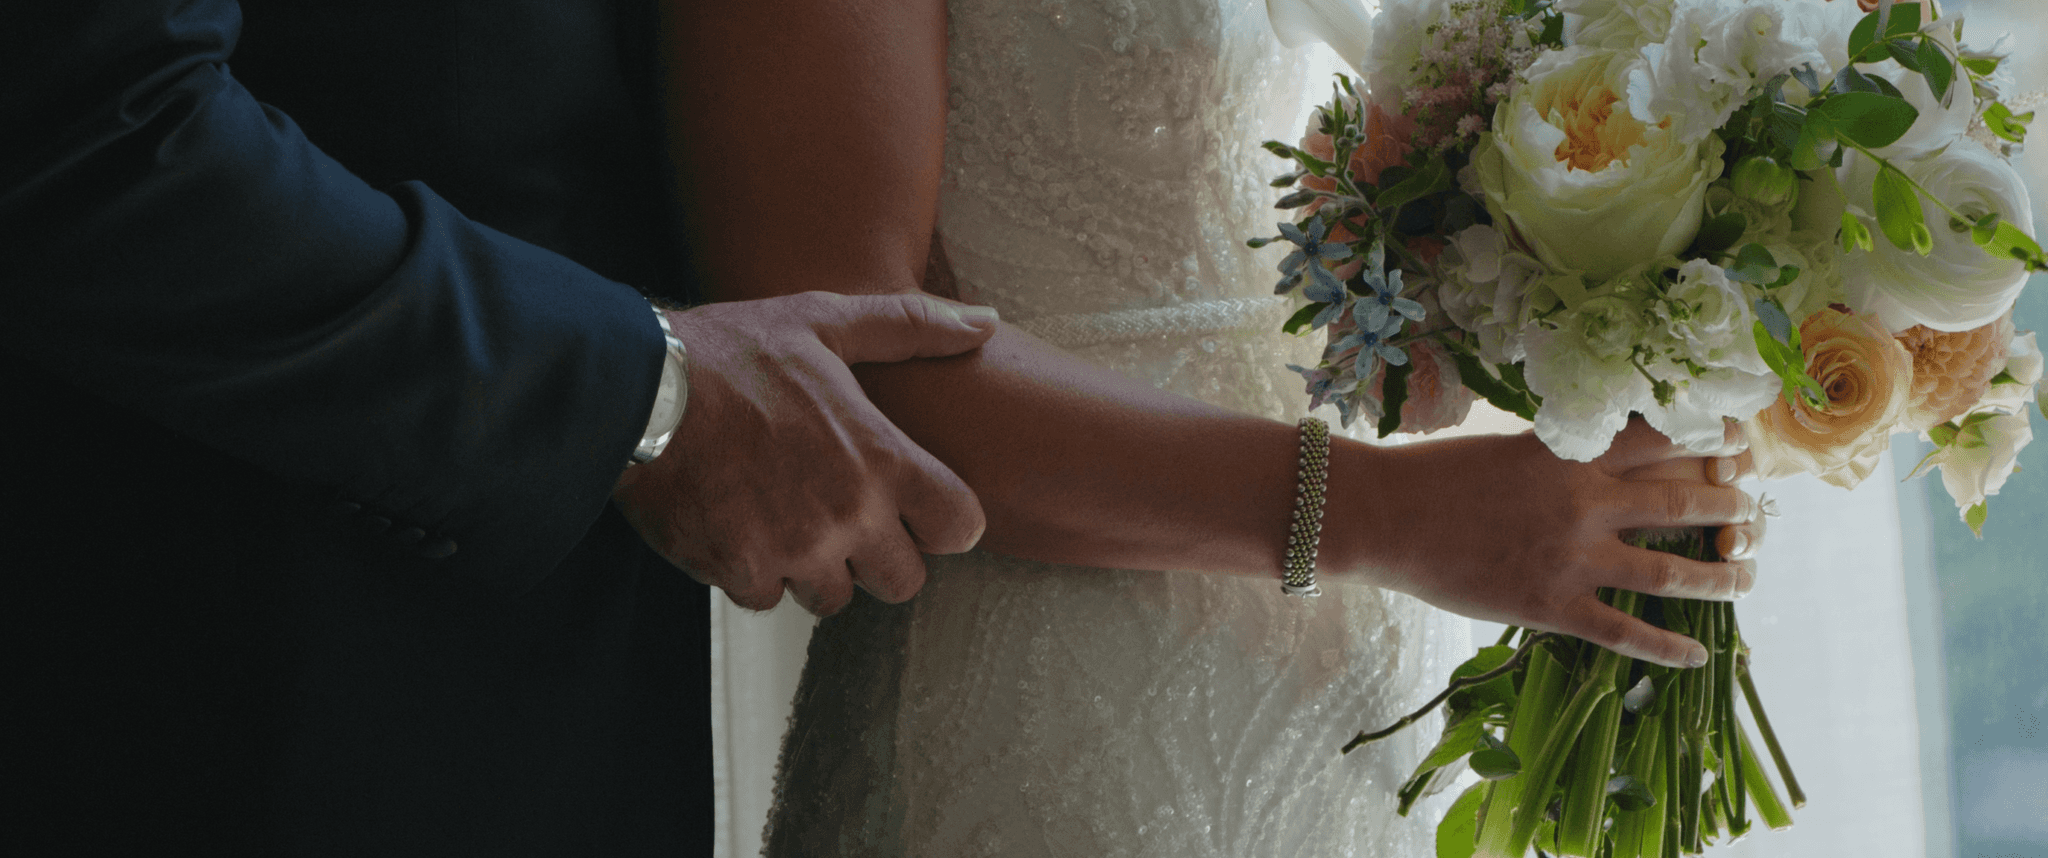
(669, 399)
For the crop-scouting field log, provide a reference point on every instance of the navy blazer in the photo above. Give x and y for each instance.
(322, 364)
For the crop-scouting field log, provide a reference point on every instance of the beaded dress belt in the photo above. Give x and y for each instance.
(1078, 330)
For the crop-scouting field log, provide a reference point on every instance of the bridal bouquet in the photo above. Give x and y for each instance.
(1797, 215)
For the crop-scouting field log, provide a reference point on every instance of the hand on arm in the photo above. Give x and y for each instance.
(782, 471)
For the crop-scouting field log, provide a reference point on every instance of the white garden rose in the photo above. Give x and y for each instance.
(1581, 181)
(1959, 285)
(1618, 24)
(1716, 53)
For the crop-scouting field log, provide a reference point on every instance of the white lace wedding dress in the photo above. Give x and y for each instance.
(1102, 173)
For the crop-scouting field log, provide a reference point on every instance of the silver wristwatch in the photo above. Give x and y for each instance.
(669, 400)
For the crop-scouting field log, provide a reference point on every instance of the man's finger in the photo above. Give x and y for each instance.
(823, 590)
(942, 515)
(890, 328)
(1629, 636)
(888, 567)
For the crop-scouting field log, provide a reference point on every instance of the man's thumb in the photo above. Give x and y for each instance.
(889, 328)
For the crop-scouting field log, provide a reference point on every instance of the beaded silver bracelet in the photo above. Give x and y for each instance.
(1305, 533)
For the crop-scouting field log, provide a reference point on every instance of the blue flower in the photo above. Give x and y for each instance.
(1378, 310)
(1308, 257)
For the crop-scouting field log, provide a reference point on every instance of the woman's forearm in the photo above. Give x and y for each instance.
(1074, 463)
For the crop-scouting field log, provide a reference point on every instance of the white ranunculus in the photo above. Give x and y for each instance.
(1959, 286)
(1825, 27)
(1707, 316)
(1587, 396)
(1583, 183)
(1715, 54)
(1939, 124)
(1620, 24)
(1344, 25)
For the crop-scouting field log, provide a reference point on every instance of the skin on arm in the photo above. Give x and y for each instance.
(838, 145)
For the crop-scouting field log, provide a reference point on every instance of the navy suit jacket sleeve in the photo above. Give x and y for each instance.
(178, 247)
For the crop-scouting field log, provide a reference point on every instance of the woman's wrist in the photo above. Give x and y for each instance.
(1358, 512)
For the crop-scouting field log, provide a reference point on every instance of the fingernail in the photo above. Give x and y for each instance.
(1744, 581)
(1696, 658)
(980, 317)
(1724, 470)
(1738, 546)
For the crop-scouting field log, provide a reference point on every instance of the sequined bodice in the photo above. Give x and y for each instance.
(1103, 170)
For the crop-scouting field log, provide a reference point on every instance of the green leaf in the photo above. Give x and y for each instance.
(2008, 241)
(1630, 793)
(1278, 148)
(1784, 124)
(1904, 53)
(1816, 142)
(1754, 264)
(1553, 31)
(1855, 236)
(1496, 692)
(1975, 518)
(1985, 230)
(1868, 119)
(1433, 177)
(1863, 39)
(1512, 397)
(1807, 78)
(1776, 324)
(1849, 79)
(1298, 323)
(1458, 835)
(2002, 122)
(1394, 395)
(1288, 179)
(1496, 763)
(1943, 435)
(1297, 199)
(1898, 208)
(1936, 67)
(2004, 376)
(1718, 233)
(1981, 66)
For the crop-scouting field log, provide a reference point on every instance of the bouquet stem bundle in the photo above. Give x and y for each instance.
(1604, 756)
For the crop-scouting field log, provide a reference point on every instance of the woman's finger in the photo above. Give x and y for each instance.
(1659, 573)
(1637, 445)
(1715, 470)
(1740, 541)
(1595, 621)
(1680, 503)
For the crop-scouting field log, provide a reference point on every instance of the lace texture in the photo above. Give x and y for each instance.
(1102, 173)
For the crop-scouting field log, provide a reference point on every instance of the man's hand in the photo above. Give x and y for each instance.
(782, 473)
(1498, 528)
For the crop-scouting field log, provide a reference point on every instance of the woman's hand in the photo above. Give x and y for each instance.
(1498, 528)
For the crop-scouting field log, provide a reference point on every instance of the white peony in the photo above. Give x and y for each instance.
(1584, 184)
(1716, 53)
(1959, 285)
(1619, 24)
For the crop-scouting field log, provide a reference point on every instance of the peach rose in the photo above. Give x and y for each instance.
(1437, 395)
(1951, 371)
(1867, 377)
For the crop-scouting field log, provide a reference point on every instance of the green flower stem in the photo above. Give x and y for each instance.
(1581, 828)
(1674, 779)
(1542, 768)
(1633, 829)
(1763, 726)
(1768, 804)
(1731, 730)
(1454, 687)
(1542, 689)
